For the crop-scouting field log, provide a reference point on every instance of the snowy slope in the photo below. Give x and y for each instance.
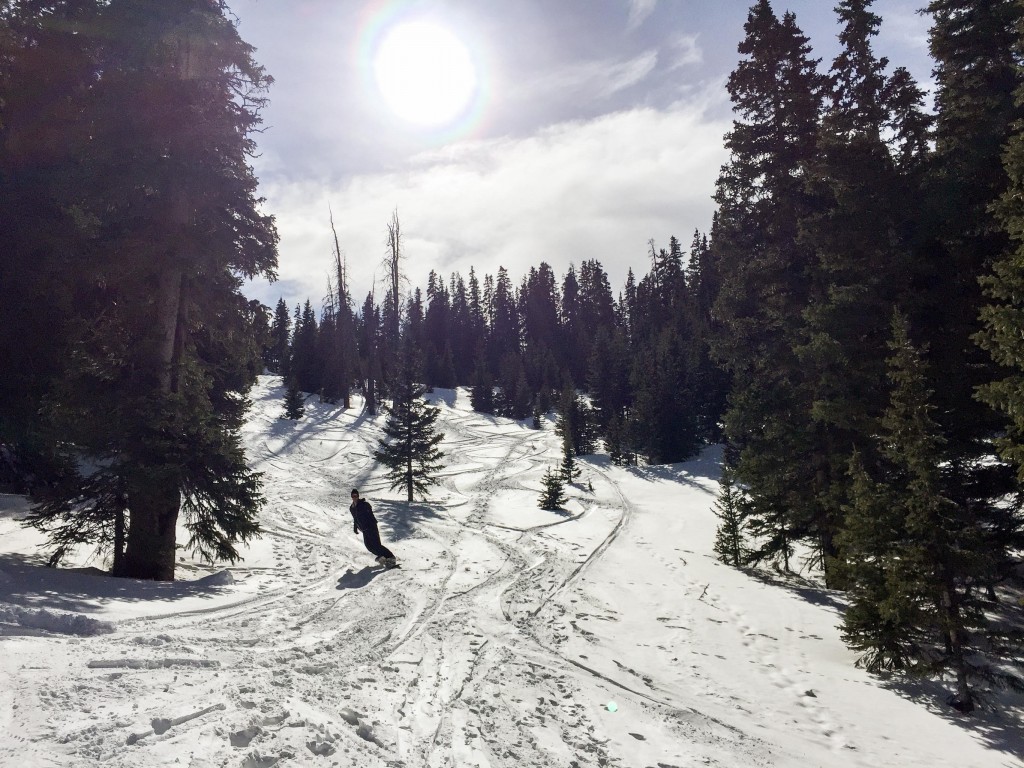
(604, 635)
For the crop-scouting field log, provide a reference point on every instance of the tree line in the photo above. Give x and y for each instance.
(524, 351)
(869, 316)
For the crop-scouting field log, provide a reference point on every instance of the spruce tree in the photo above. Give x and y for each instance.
(280, 332)
(167, 351)
(410, 451)
(976, 74)
(1003, 316)
(294, 402)
(877, 623)
(482, 393)
(553, 496)
(933, 552)
(777, 95)
(570, 471)
(865, 205)
(729, 539)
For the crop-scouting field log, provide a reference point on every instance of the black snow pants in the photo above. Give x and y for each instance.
(371, 539)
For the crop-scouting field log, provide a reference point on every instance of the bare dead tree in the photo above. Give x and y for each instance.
(393, 262)
(344, 329)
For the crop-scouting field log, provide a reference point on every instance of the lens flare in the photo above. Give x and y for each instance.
(422, 71)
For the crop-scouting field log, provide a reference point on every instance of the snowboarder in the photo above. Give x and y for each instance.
(364, 521)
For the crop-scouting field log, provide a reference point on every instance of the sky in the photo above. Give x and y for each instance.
(503, 133)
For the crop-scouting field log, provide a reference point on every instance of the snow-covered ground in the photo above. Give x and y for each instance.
(607, 635)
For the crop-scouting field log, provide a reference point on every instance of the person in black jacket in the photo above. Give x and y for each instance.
(364, 521)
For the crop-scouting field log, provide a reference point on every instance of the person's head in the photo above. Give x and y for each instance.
(355, 495)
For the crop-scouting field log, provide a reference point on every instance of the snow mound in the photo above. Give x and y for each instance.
(219, 579)
(63, 623)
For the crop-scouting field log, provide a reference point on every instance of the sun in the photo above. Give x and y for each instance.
(425, 74)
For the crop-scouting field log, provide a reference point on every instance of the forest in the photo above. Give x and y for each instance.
(849, 328)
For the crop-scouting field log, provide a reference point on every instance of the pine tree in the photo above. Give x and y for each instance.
(304, 365)
(410, 451)
(368, 335)
(280, 332)
(729, 540)
(553, 496)
(482, 393)
(976, 74)
(1003, 317)
(877, 624)
(932, 552)
(294, 402)
(777, 95)
(166, 351)
(570, 471)
(866, 205)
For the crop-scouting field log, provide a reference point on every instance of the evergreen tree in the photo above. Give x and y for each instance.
(976, 74)
(339, 368)
(570, 471)
(572, 323)
(514, 391)
(165, 200)
(410, 451)
(576, 422)
(304, 365)
(294, 402)
(664, 408)
(368, 335)
(439, 369)
(877, 624)
(729, 540)
(482, 393)
(710, 383)
(280, 332)
(608, 377)
(777, 94)
(932, 551)
(553, 496)
(504, 338)
(1003, 317)
(866, 203)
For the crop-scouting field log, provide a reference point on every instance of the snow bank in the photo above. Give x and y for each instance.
(219, 579)
(62, 623)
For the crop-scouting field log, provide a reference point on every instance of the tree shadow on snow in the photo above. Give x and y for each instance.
(996, 722)
(706, 466)
(803, 588)
(398, 520)
(28, 583)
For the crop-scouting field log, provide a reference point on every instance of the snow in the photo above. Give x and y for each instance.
(605, 634)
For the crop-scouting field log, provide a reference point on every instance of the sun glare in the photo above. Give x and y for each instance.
(424, 73)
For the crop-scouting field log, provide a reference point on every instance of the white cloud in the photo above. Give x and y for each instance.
(686, 51)
(580, 190)
(588, 80)
(639, 10)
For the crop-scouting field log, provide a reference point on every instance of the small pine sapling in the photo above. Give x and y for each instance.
(553, 496)
(729, 543)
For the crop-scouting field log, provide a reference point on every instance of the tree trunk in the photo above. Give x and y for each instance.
(409, 478)
(117, 567)
(149, 552)
(964, 701)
